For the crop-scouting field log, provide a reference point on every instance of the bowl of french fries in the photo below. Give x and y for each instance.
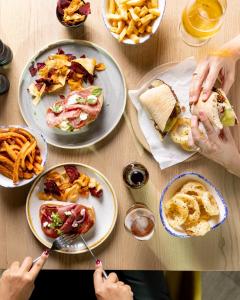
(23, 154)
(191, 206)
(132, 21)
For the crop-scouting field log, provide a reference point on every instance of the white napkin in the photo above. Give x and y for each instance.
(165, 152)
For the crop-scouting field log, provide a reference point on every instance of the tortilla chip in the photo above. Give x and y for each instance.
(88, 64)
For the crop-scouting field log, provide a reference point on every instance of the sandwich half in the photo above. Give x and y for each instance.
(77, 110)
(163, 107)
(217, 108)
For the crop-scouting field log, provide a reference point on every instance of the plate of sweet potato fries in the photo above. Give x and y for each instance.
(23, 154)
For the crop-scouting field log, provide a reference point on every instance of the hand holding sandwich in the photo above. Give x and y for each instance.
(221, 64)
(219, 148)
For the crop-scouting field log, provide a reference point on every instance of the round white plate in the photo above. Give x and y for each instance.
(111, 80)
(106, 209)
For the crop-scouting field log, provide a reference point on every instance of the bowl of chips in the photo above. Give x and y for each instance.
(191, 205)
(72, 13)
(23, 154)
(132, 21)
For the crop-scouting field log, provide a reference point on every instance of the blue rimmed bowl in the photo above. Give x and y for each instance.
(42, 145)
(175, 185)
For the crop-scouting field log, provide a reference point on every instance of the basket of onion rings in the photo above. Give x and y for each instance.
(191, 205)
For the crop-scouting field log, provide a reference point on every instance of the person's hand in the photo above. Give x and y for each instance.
(111, 288)
(220, 148)
(208, 71)
(17, 282)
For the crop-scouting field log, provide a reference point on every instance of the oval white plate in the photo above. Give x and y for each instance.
(143, 39)
(106, 209)
(41, 142)
(173, 187)
(111, 80)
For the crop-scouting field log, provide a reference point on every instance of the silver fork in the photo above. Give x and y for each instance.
(61, 242)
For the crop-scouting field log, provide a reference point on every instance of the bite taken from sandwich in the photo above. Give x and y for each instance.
(162, 105)
(77, 110)
(217, 108)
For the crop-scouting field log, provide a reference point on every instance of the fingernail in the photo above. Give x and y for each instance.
(46, 252)
(98, 262)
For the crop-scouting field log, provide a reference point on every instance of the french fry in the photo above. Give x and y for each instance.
(7, 135)
(130, 28)
(143, 12)
(115, 17)
(10, 151)
(18, 161)
(122, 34)
(154, 3)
(5, 172)
(149, 29)
(154, 12)
(146, 19)
(134, 38)
(134, 16)
(112, 6)
(28, 150)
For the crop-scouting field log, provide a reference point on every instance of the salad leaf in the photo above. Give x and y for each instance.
(97, 92)
(56, 220)
(56, 108)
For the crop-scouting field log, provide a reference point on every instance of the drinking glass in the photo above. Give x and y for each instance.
(201, 20)
(140, 221)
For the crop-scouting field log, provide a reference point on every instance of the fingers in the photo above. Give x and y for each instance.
(26, 265)
(38, 265)
(211, 133)
(112, 277)
(210, 81)
(197, 81)
(15, 266)
(98, 277)
(197, 137)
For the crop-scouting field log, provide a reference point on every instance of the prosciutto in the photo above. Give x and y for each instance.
(72, 112)
(60, 219)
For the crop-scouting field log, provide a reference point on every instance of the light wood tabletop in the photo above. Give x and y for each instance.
(26, 26)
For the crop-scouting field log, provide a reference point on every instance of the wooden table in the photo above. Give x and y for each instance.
(29, 25)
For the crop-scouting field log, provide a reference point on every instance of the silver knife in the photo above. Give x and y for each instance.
(94, 257)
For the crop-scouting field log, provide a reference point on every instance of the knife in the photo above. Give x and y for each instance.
(94, 257)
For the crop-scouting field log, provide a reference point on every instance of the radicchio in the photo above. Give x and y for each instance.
(40, 66)
(96, 193)
(33, 70)
(61, 5)
(72, 173)
(51, 188)
(85, 9)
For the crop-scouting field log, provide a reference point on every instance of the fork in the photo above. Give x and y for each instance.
(61, 242)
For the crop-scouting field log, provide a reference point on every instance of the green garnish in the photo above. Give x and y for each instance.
(56, 221)
(80, 100)
(56, 108)
(59, 232)
(97, 92)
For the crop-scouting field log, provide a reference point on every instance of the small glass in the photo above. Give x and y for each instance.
(135, 175)
(201, 20)
(140, 222)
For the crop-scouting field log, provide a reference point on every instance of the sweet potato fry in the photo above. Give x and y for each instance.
(27, 151)
(5, 172)
(18, 161)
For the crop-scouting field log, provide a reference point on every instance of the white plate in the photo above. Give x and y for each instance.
(42, 145)
(143, 39)
(173, 187)
(106, 209)
(111, 80)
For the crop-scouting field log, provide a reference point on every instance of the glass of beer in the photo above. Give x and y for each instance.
(140, 222)
(201, 20)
